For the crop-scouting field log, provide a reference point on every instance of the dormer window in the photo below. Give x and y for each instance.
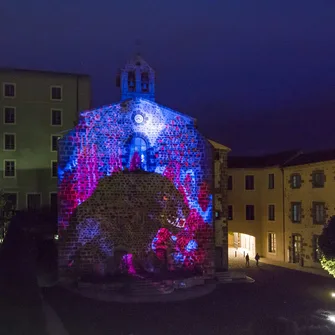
(145, 82)
(131, 81)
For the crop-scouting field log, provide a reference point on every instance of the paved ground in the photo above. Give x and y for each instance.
(276, 292)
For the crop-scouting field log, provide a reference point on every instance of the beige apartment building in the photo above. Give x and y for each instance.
(35, 108)
(278, 204)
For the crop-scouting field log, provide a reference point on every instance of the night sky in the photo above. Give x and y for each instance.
(258, 75)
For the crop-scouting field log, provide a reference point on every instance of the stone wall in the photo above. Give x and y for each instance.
(135, 177)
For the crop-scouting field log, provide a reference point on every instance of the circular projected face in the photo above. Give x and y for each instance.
(138, 118)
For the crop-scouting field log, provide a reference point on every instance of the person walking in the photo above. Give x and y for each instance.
(257, 257)
(247, 261)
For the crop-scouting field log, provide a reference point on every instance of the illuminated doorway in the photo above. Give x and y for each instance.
(242, 243)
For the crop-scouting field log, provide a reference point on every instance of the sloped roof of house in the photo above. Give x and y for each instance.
(277, 159)
(281, 159)
(219, 146)
(43, 72)
(312, 157)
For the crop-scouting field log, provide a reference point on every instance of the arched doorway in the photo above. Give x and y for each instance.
(139, 147)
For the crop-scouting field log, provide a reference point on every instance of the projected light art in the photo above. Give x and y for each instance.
(135, 176)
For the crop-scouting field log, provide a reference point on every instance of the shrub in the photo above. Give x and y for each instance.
(327, 246)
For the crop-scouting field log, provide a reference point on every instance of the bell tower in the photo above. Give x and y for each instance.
(136, 79)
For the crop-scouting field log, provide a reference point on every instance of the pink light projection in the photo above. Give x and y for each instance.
(108, 141)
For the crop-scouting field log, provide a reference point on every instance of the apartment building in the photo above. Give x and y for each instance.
(278, 204)
(36, 107)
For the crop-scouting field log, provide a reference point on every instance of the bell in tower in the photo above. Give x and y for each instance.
(137, 79)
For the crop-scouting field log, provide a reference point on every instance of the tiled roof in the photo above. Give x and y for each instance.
(45, 72)
(312, 157)
(277, 159)
(219, 146)
(281, 159)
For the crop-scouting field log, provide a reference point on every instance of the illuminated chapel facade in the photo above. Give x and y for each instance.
(139, 186)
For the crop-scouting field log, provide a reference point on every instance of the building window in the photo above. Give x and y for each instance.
(249, 182)
(138, 153)
(9, 169)
(54, 169)
(217, 155)
(295, 180)
(11, 202)
(131, 81)
(56, 93)
(230, 183)
(316, 249)
(318, 179)
(145, 82)
(54, 142)
(271, 212)
(250, 212)
(56, 117)
(53, 201)
(9, 90)
(230, 212)
(319, 213)
(296, 248)
(9, 142)
(271, 181)
(33, 201)
(9, 115)
(296, 212)
(272, 243)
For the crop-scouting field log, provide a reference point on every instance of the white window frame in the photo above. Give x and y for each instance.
(4, 168)
(39, 193)
(56, 86)
(275, 243)
(51, 136)
(4, 115)
(3, 90)
(17, 197)
(61, 112)
(52, 176)
(4, 142)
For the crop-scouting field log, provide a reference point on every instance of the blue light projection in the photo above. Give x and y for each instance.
(127, 137)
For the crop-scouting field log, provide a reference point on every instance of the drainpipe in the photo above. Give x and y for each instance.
(283, 197)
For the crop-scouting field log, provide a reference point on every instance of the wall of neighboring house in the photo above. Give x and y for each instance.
(33, 155)
(317, 206)
(271, 207)
(266, 227)
(220, 203)
(239, 197)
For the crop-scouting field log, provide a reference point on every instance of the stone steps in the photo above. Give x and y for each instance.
(233, 277)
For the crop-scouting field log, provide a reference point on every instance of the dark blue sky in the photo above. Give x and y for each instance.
(258, 75)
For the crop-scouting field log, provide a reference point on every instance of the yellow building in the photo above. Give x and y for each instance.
(277, 204)
(309, 203)
(36, 107)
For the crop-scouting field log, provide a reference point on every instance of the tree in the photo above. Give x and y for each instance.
(327, 246)
(6, 214)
